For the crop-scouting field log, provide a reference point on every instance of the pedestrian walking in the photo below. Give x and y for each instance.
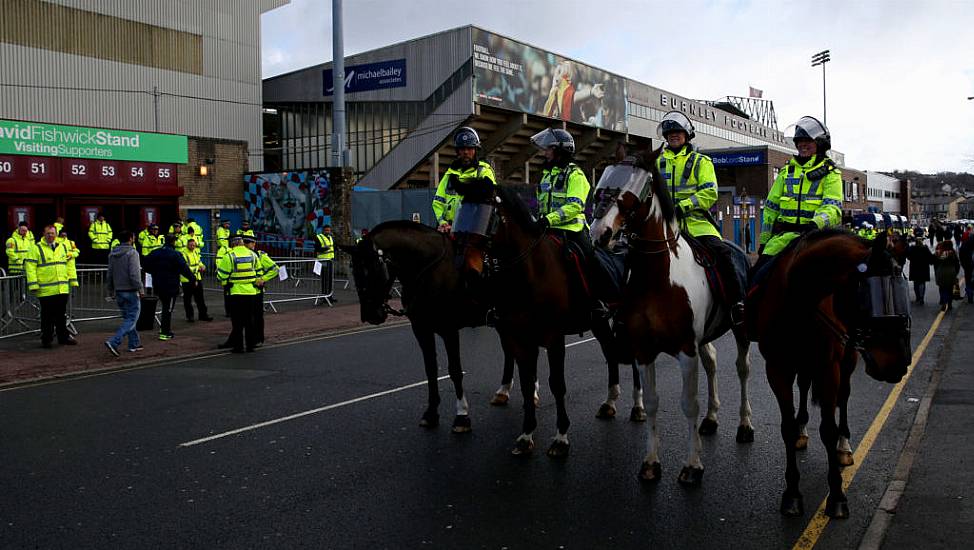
(166, 265)
(50, 276)
(946, 267)
(238, 270)
(920, 259)
(193, 286)
(125, 284)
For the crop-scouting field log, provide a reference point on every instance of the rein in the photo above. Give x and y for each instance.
(388, 262)
(668, 242)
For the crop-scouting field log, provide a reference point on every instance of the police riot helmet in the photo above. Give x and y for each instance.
(560, 139)
(466, 137)
(809, 127)
(675, 121)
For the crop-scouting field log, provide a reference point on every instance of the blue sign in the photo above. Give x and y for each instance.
(370, 76)
(752, 158)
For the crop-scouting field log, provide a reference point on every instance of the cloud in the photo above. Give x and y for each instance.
(896, 86)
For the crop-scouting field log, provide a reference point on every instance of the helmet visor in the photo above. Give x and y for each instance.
(553, 138)
(806, 128)
(673, 121)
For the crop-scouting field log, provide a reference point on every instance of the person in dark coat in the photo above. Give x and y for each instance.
(920, 259)
(166, 265)
(946, 268)
(966, 256)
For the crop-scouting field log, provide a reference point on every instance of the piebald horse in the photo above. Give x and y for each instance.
(667, 306)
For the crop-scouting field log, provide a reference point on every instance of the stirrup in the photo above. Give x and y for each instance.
(491, 318)
(600, 310)
(737, 314)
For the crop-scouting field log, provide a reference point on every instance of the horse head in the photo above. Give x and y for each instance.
(630, 193)
(373, 282)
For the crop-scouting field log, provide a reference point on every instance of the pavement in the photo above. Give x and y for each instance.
(25, 361)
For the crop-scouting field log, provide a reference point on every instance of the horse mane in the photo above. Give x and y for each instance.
(402, 225)
(647, 161)
(518, 211)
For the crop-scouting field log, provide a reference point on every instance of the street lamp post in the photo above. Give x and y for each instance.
(821, 58)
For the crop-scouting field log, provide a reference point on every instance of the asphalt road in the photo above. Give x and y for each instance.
(97, 462)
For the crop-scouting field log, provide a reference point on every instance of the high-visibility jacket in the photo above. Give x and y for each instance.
(562, 195)
(115, 243)
(327, 245)
(447, 199)
(800, 198)
(867, 233)
(58, 227)
(194, 261)
(197, 230)
(692, 182)
(267, 267)
(49, 270)
(222, 236)
(180, 243)
(248, 232)
(151, 243)
(17, 248)
(71, 246)
(100, 234)
(238, 269)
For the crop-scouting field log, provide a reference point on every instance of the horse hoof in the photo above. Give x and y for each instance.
(638, 414)
(650, 473)
(836, 509)
(690, 476)
(707, 427)
(523, 447)
(801, 443)
(745, 434)
(845, 458)
(558, 449)
(792, 506)
(500, 399)
(606, 412)
(461, 424)
(430, 420)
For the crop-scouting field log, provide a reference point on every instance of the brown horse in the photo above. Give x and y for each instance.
(829, 292)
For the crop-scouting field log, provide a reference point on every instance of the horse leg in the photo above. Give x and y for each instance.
(745, 431)
(781, 379)
(427, 343)
(527, 366)
(804, 382)
(638, 413)
(835, 505)
(844, 446)
(692, 472)
(650, 470)
(708, 356)
(556, 382)
(602, 333)
(503, 393)
(451, 341)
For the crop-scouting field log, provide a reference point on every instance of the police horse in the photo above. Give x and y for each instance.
(833, 296)
(668, 305)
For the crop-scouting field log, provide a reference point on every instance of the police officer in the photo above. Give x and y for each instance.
(100, 233)
(17, 247)
(50, 276)
(806, 195)
(267, 270)
(220, 253)
(692, 183)
(223, 234)
(245, 229)
(238, 270)
(193, 287)
(325, 253)
(467, 175)
(866, 231)
(72, 247)
(152, 240)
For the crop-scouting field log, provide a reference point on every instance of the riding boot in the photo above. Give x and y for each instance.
(734, 287)
(593, 272)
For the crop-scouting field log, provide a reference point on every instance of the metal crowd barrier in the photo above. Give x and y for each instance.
(302, 284)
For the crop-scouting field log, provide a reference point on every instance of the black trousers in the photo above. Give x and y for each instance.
(734, 288)
(168, 302)
(194, 292)
(243, 330)
(53, 318)
(259, 317)
(327, 274)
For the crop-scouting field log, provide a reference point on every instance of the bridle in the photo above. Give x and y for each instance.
(385, 263)
(639, 244)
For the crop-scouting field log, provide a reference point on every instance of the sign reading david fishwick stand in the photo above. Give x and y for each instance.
(50, 140)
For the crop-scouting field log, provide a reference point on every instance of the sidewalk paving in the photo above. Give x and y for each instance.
(25, 360)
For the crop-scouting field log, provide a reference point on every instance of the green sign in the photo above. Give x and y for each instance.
(50, 140)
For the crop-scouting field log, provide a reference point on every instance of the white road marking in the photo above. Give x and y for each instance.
(325, 408)
(305, 413)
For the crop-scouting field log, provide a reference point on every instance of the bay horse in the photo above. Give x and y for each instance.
(422, 260)
(531, 287)
(838, 294)
(667, 306)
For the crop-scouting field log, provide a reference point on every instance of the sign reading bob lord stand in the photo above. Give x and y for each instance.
(51, 140)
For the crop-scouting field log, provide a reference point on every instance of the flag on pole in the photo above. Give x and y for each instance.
(754, 92)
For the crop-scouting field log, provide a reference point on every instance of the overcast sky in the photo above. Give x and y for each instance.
(897, 85)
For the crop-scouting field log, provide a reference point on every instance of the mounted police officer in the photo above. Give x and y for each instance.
(692, 182)
(467, 175)
(806, 195)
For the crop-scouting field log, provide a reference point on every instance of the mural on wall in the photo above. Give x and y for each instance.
(288, 204)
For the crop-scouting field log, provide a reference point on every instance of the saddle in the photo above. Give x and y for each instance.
(708, 260)
(575, 261)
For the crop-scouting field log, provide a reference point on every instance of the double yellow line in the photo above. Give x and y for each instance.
(816, 526)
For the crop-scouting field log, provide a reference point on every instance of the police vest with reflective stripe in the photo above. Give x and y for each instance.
(18, 252)
(327, 244)
(192, 258)
(100, 234)
(563, 191)
(49, 271)
(238, 269)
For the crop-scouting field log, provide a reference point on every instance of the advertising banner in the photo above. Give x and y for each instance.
(369, 76)
(51, 140)
(516, 76)
(751, 158)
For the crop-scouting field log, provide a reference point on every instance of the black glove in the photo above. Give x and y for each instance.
(542, 224)
(452, 181)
